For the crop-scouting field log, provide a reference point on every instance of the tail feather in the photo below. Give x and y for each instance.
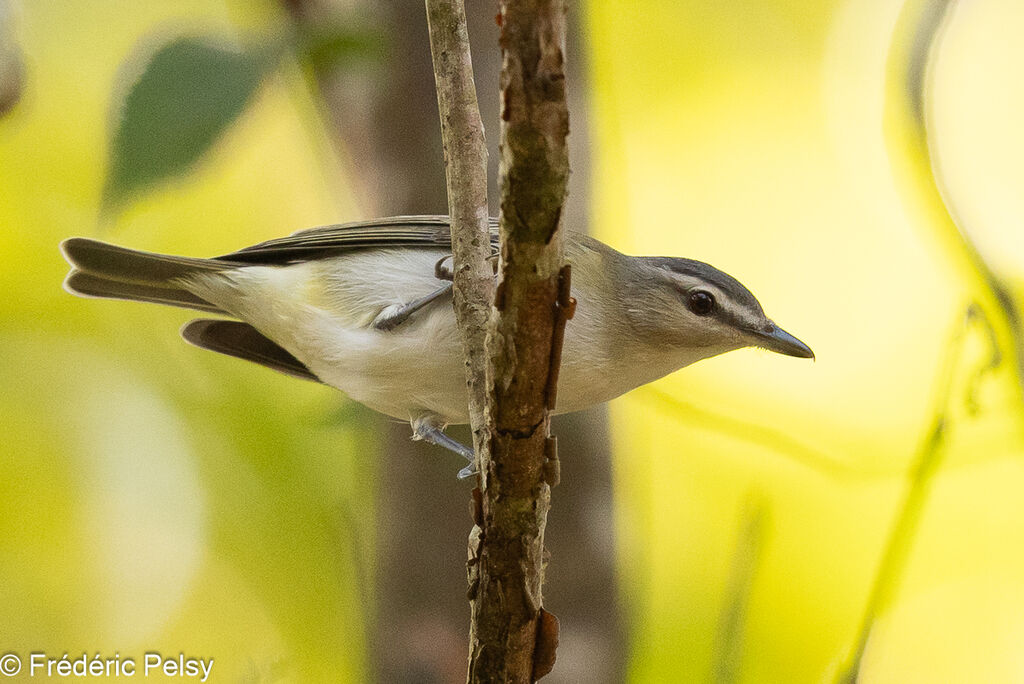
(111, 272)
(87, 285)
(132, 266)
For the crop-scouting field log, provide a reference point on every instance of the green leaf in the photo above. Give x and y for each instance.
(189, 92)
(326, 47)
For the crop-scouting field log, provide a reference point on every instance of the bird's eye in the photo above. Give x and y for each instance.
(701, 303)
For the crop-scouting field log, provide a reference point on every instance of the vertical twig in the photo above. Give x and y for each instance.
(512, 639)
(465, 156)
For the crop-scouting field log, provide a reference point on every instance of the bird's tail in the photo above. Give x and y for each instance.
(111, 272)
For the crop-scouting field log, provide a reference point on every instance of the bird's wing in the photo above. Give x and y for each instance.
(243, 341)
(316, 243)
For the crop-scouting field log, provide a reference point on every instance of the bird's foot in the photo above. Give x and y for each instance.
(444, 272)
(431, 429)
(396, 314)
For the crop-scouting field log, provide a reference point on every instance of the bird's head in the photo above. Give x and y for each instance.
(692, 306)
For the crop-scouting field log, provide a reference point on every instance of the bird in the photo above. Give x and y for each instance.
(365, 307)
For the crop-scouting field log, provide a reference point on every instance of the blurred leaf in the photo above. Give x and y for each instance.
(12, 78)
(12, 67)
(747, 554)
(325, 48)
(189, 92)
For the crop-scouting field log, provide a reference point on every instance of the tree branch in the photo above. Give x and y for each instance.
(512, 639)
(465, 155)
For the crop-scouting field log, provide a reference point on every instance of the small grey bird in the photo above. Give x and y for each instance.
(364, 307)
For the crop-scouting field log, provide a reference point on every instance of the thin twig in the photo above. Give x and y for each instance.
(465, 155)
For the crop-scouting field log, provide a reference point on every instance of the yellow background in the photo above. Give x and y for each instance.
(156, 497)
(153, 497)
(774, 141)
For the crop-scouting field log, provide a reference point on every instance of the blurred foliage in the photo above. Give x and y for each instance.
(154, 496)
(782, 142)
(332, 45)
(11, 66)
(729, 643)
(190, 90)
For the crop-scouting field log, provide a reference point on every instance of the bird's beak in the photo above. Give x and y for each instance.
(774, 338)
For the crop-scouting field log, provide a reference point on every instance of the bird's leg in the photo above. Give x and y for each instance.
(429, 428)
(396, 314)
(393, 316)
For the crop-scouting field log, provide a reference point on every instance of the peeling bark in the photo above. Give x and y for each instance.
(509, 640)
